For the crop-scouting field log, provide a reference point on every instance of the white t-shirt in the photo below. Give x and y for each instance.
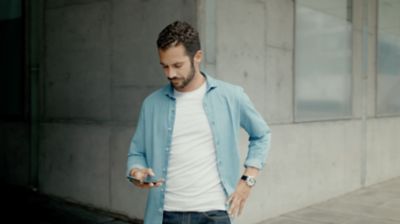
(193, 182)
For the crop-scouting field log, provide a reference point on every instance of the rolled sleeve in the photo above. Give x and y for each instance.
(258, 131)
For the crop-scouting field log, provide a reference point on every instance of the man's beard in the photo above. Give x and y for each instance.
(185, 80)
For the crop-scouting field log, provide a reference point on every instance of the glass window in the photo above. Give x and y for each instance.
(388, 86)
(12, 60)
(323, 60)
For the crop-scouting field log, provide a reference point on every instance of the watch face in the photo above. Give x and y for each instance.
(251, 181)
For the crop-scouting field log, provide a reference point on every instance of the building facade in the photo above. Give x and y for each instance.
(324, 74)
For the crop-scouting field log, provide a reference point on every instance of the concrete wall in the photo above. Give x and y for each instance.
(101, 61)
(312, 161)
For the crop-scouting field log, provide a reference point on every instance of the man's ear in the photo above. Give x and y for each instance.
(198, 56)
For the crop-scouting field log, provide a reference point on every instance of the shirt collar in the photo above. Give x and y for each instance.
(211, 84)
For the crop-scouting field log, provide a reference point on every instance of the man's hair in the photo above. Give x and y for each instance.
(179, 32)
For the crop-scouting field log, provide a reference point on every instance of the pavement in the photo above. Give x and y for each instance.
(22, 205)
(377, 204)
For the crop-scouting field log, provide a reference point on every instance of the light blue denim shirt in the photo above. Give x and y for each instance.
(227, 108)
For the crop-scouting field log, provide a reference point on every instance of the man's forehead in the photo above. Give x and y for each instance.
(172, 56)
(172, 62)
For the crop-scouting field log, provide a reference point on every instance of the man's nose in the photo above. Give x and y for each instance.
(170, 73)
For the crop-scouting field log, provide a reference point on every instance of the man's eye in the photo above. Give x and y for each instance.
(177, 65)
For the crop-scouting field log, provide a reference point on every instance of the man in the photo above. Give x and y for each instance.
(187, 139)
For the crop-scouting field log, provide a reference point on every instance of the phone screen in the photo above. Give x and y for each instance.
(147, 180)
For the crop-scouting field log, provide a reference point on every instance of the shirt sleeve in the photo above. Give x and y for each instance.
(258, 131)
(137, 152)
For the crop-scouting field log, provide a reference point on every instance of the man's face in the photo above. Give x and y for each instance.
(177, 66)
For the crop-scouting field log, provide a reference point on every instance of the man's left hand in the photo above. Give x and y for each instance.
(238, 199)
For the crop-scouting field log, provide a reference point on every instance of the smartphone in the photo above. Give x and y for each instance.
(147, 180)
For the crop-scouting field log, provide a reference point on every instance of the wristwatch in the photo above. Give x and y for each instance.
(250, 180)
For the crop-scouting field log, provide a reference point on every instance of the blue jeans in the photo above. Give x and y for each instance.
(210, 217)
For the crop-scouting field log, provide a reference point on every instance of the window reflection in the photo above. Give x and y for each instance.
(388, 88)
(323, 60)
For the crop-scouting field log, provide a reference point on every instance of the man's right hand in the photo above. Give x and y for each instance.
(141, 174)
